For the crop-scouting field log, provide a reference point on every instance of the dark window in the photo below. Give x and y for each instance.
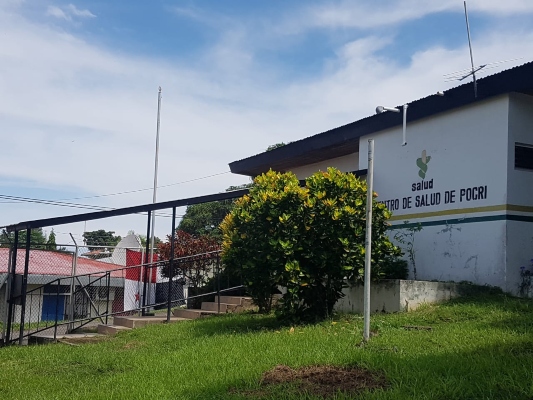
(53, 289)
(523, 156)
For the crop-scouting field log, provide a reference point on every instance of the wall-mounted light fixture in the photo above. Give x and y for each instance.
(381, 109)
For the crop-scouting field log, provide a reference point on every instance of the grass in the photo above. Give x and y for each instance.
(477, 348)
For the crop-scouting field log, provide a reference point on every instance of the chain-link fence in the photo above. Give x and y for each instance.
(51, 288)
(68, 289)
(75, 287)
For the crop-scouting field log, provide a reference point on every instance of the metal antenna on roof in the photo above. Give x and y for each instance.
(465, 73)
(474, 70)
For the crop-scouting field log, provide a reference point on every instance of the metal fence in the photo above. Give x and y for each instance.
(68, 289)
(65, 291)
(51, 291)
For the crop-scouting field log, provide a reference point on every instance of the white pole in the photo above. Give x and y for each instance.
(155, 191)
(368, 239)
(404, 124)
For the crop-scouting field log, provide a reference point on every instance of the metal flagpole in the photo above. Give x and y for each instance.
(155, 190)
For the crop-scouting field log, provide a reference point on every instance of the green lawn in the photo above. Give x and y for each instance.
(478, 348)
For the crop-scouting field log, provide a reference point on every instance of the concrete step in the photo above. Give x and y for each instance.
(39, 338)
(193, 314)
(239, 300)
(111, 329)
(213, 306)
(139, 321)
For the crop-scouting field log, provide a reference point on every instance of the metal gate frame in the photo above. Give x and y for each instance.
(42, 223)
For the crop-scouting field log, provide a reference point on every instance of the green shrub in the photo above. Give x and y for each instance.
(308, 240)
(394, 268)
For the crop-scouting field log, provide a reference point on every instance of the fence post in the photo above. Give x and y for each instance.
(143, 312)
(108, 282)
(218, 281)
(10, 288)
(57, 308)
(171, 264)
(24, 285)
(6, 297)
(73, 285)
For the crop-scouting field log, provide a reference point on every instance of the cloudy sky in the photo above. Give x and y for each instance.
(79, 81)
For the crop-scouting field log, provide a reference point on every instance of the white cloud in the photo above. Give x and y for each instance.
(79, 13)
(368, 14)
(68, 12)
(82, 118)
(57, 12)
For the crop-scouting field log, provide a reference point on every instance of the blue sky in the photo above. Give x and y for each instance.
(79, 82)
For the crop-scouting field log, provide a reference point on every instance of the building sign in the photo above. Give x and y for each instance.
(423, 193)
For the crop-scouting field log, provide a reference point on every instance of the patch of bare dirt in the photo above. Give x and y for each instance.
(320, 380)
(132, 345)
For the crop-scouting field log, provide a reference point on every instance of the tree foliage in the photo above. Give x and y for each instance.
(100, 238)
(205, 218)
(142, 238)
(275, 146)
(37, 238)
(51, 242)
(253, 232)
(197, 265)
(308, 240)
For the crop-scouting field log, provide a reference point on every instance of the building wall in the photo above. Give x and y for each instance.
(459, 198)
(520, 191)
(519, 254)
(519, 182)
(35, 299)
(346, 163)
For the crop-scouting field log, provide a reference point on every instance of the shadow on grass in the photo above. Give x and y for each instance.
(237, 324)
(490, 299)
(503, 310)
(517, 315)
(502, 371)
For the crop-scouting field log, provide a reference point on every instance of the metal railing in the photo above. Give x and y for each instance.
(55, 291)
(53, 306)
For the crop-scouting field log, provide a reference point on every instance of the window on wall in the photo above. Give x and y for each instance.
(523, 156)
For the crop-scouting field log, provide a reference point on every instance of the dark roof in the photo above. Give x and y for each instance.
(344, 140)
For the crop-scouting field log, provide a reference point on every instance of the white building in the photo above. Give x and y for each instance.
(466, 175)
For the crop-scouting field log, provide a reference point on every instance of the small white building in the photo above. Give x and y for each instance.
(49, 284)
(466, 176)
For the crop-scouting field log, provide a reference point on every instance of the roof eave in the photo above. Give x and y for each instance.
(319, 146)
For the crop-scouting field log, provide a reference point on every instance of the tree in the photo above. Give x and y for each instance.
(51, 242)
(200, 259)
(309, 240)
(251, 231)
(100, 238)
(37, 238)
(205, 218)
(275, 146)
(142, 238)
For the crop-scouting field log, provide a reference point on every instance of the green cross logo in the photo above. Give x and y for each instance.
(422, 163)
